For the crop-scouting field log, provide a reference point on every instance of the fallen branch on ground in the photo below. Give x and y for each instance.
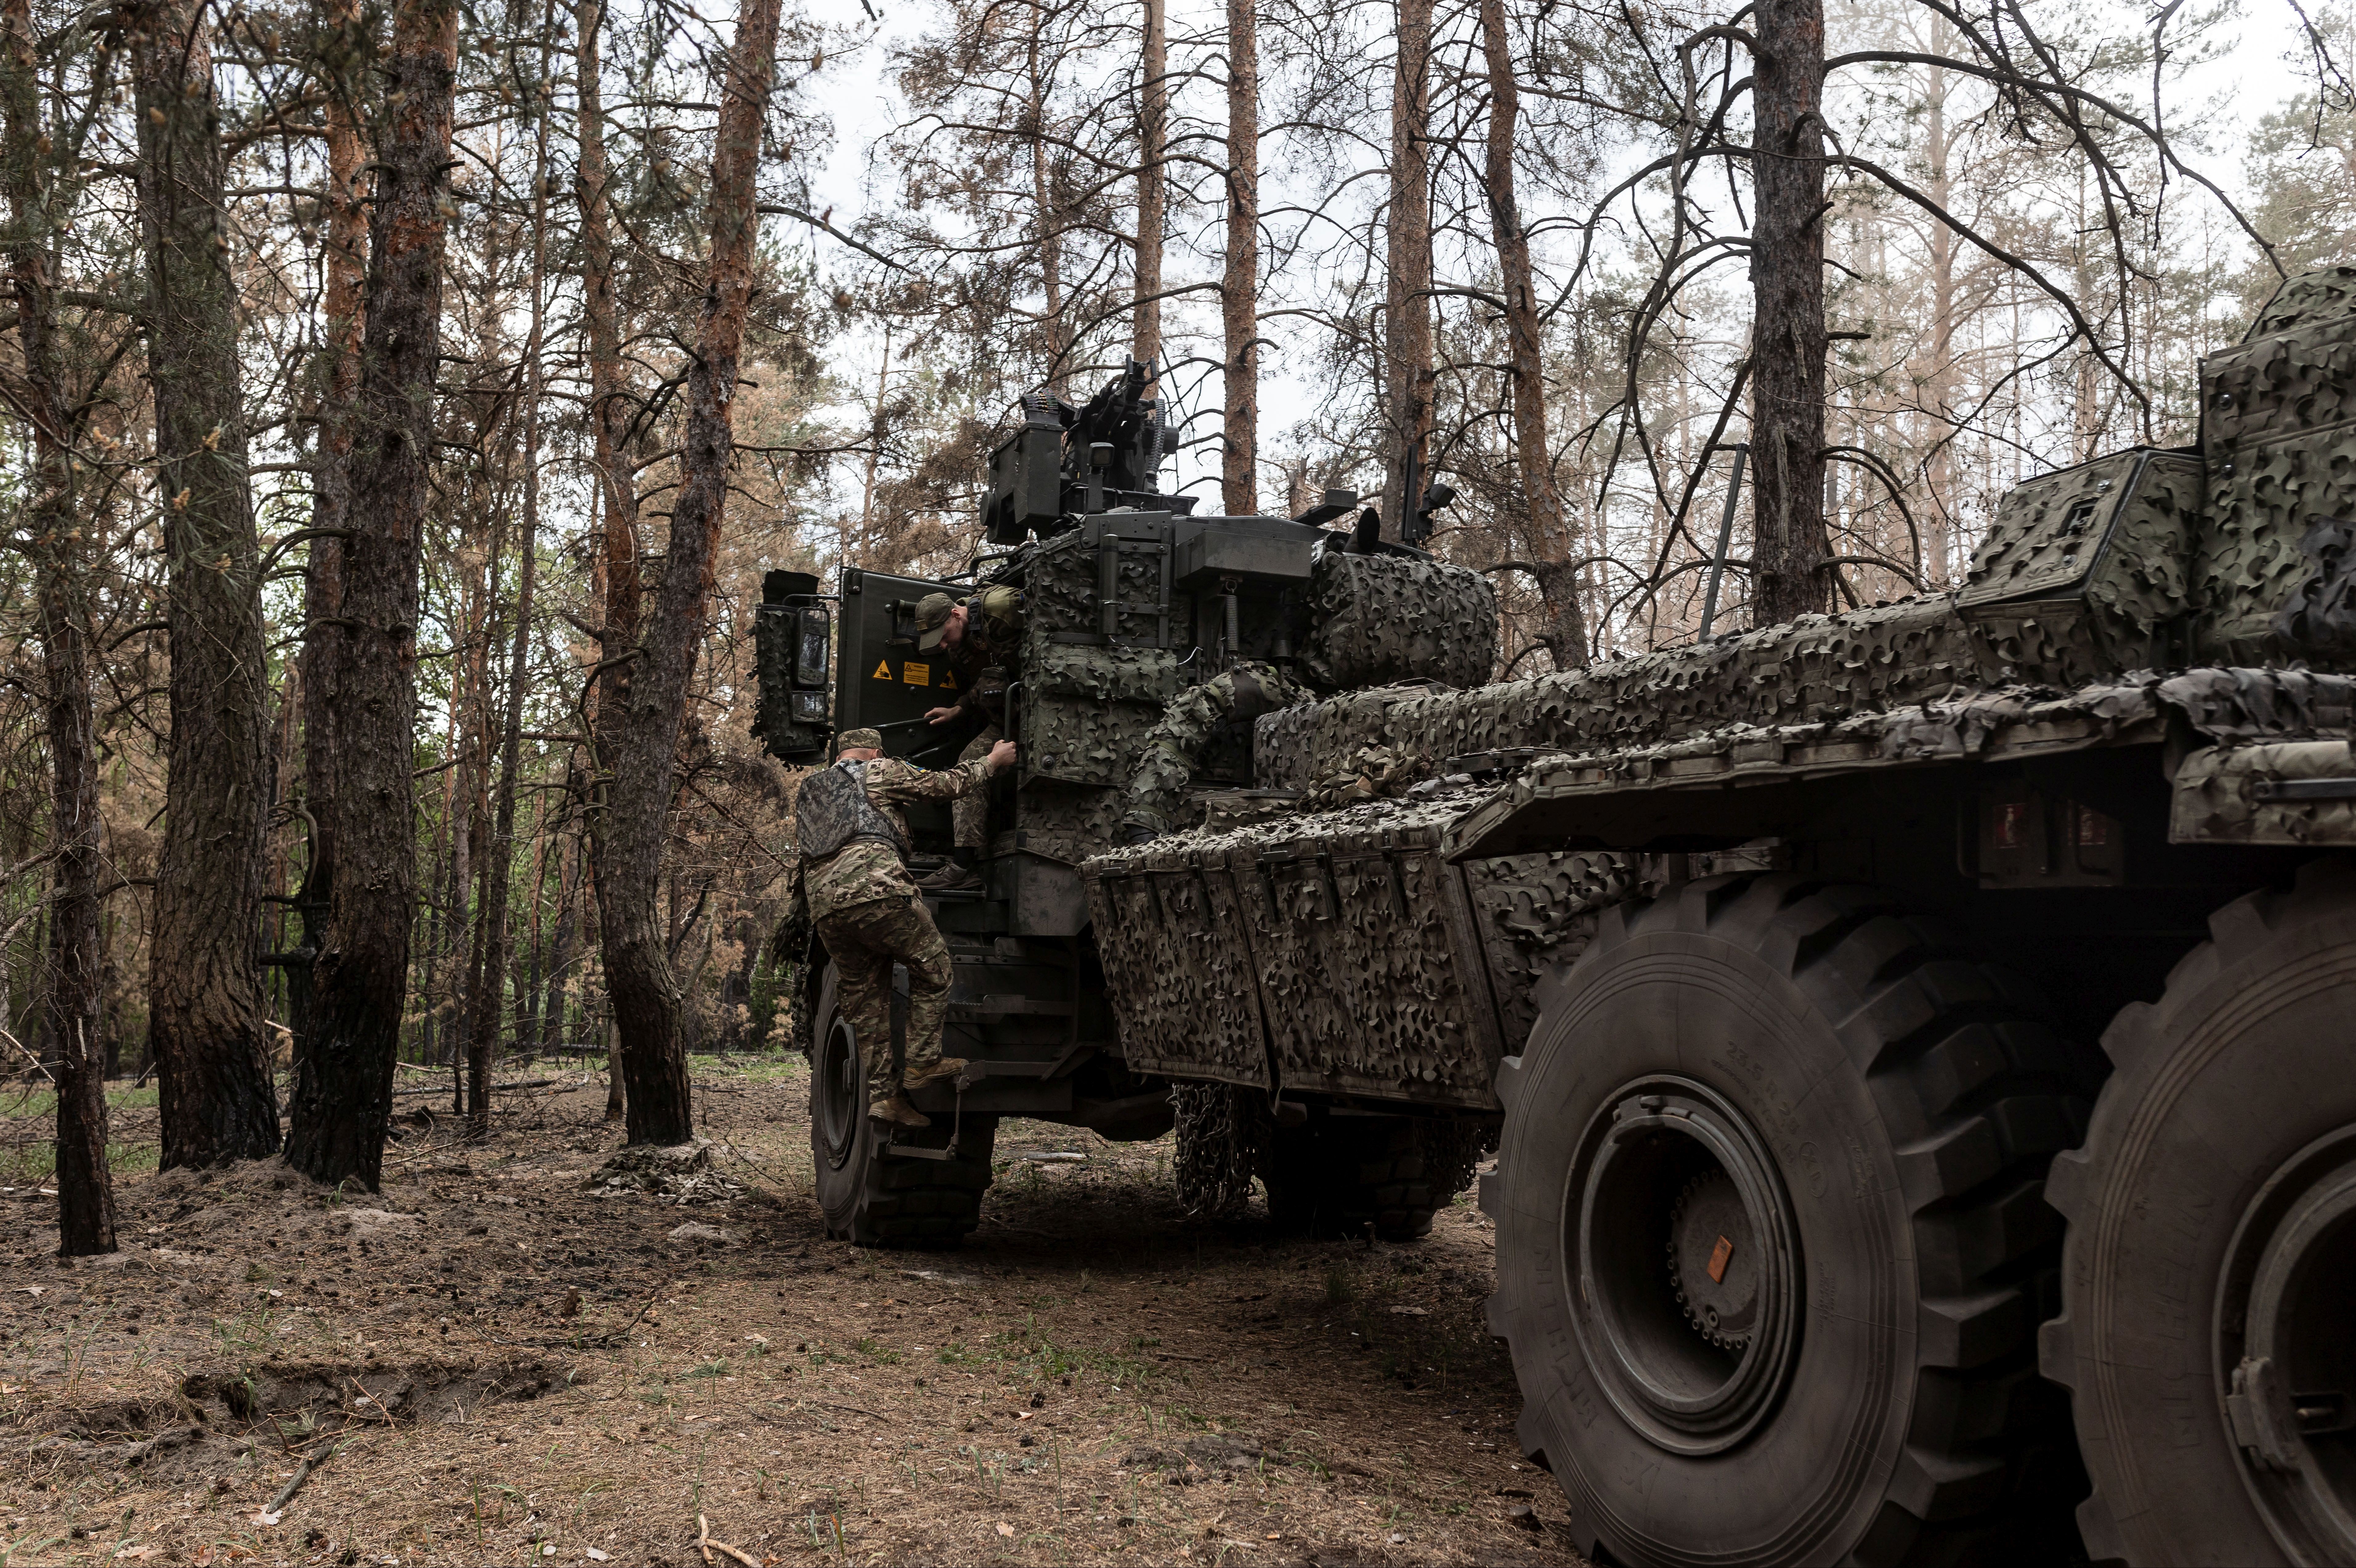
(705, 1544)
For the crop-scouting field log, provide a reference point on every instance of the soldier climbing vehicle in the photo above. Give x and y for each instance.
(1917, 1042)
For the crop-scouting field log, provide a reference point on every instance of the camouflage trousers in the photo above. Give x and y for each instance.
(865, 941)
(969, 813)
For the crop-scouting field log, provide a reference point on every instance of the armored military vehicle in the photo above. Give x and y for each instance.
(1920, 1043)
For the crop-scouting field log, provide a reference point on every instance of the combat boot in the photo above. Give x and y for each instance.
(896, 1112)
(951, 879)
(947, 1067)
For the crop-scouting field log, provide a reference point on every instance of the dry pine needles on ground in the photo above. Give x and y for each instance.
(531, 1352)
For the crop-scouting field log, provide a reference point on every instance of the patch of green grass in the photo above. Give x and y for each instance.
(1030, 1354)
(875, 1350)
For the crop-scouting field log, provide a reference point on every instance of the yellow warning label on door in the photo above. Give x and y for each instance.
(948, 679)
(883, 670)
(915, 674)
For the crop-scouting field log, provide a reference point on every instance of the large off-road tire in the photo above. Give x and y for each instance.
(1771, 1249)
(2208, 1335)
(1336, 1175)
(871, 1196)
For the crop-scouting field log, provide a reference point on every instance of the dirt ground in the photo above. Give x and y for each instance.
(516, 1353)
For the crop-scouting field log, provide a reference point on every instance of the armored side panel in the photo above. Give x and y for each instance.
(1098, 668)
(1386, 618)
(1816, 669)
(2278, 434)
(1356, 939)
(1097, 665)
(2085, 572)
(1534, 912)
(1181, 971)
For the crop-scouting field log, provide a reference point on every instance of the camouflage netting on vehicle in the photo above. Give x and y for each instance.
(1063, 580)
(1375, 619)
(1224, 1134)
(2083, 572)
(1069, 822)
(1086, 705)
(1815, 669)
(2237, 795)
(1077, 741)
(2262, 704)
(2309, 297)
(1350, 918)
(1538, 910)
(1086, 710)
(2278, 435)
(1101, 675)
(2321, 616)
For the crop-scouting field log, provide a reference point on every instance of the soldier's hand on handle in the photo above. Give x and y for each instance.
(939, 715)
(1002, 756)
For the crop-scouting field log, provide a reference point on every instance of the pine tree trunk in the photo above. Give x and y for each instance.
(1789, 576)
(1152, 181)
(472, 1070)
(343, 1095)
(1239, 287)
(346, 263)
(491, 988)
(1055, 330)
(1550, 538)
(639, 761)
(529, 957)
(85, 1185)
(609, 418)
(216, 1099)
(1939, 383)
(553, 1022)
(1407, 300)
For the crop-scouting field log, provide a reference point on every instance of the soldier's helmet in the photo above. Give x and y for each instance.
(933, 612)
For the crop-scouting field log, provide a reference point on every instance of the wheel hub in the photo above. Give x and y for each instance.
(841, 1092)
(2284, 1353)
(1713, 1261)
(1684, 1261)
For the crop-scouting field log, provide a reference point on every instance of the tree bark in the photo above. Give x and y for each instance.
(636, 787)
(1239, 287)
(1057, 337)
(1406, 297)
(1152, 181)
(491, 986)
(204, 990)
(1939, 382)
(331, 510)
(609, 418)
(343, 1095)
(1787, 276)
(553, 1020)
(1551, 540)
(85, 1185)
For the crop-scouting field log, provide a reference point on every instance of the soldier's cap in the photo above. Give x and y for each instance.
(858, 739)
(932, 615)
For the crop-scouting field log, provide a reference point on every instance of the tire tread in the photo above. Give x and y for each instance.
(1981, 1092)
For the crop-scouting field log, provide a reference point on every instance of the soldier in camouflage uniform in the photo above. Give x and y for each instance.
(979, 637)
(1174, 748)
(867, 913)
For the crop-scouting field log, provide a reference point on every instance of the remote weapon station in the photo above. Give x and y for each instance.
(1916, 1041)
